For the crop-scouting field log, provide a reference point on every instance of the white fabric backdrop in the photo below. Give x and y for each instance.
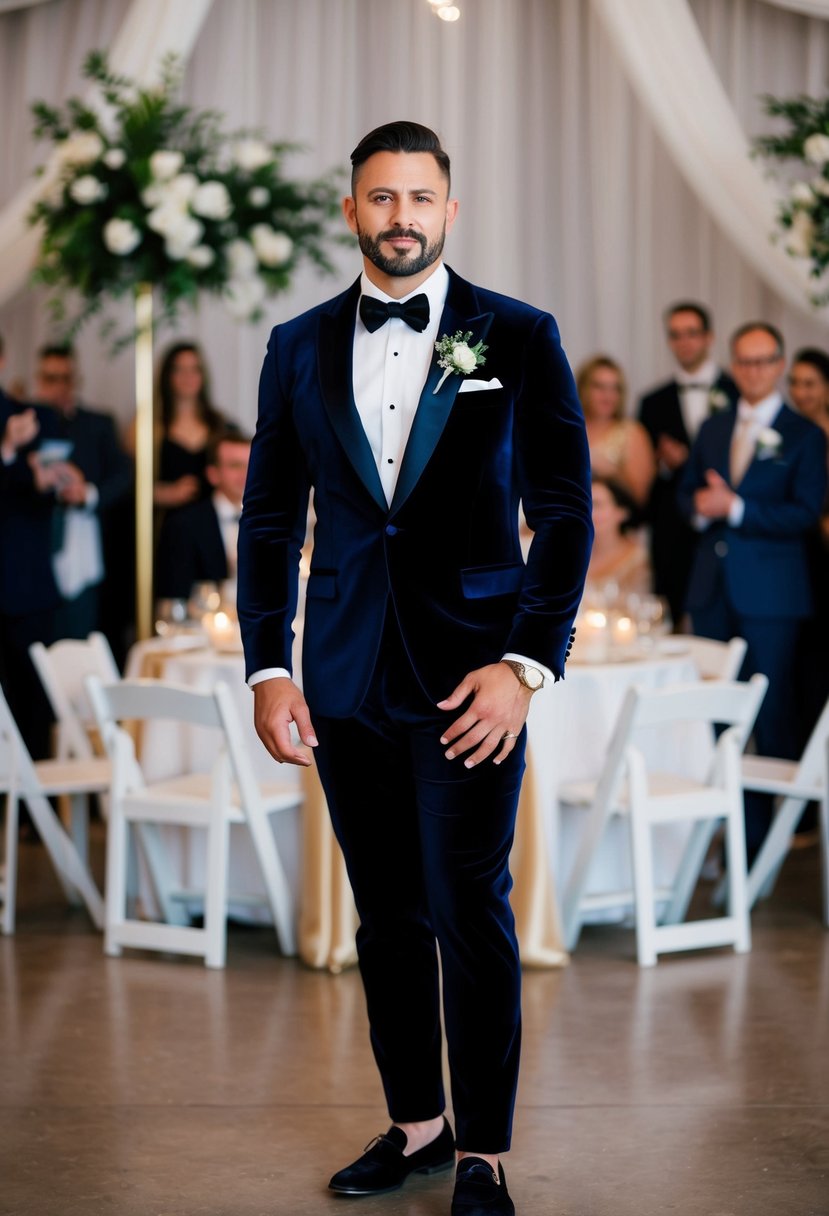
(568, 196)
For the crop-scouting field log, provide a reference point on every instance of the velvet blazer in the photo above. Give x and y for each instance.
(444, 556)
(763, 561)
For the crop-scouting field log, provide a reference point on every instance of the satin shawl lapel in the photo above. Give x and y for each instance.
(434, 408)
(335, 350)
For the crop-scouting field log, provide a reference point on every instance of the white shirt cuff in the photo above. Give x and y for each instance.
(268, 673)
(736, 511)
(92, 497)
(522, 658)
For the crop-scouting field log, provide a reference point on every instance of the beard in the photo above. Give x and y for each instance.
(402, 264)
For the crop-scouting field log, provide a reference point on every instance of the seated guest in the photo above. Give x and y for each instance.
(189, 420)
(95, 478)
(672, 413)
(619, 446)
(198, 542)
(618, 560)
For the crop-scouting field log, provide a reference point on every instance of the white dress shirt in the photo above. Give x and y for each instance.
(228, 514)
(390, 367)
(694, 389)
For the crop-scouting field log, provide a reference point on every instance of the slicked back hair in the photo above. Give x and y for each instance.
(399, 137)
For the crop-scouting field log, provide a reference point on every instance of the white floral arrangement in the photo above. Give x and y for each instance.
(769, 443)
(804, 211)
(457, 356)
(149, 191)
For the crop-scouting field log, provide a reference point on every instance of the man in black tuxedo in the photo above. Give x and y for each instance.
(95, 479)
(672, 414)
(425, 634)
(28, 592)
(198, 542)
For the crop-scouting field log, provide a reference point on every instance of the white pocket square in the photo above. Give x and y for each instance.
(479, 386)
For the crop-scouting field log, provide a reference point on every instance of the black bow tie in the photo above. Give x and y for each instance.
(697, 386)
(414, 312)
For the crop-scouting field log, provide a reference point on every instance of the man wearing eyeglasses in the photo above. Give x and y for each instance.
(672, 414)
(753, 487)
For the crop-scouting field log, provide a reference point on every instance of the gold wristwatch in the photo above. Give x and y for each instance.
(530, 677)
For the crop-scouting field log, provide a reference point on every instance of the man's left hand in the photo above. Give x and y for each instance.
(714, 499)
(72, 485)
(499, 707)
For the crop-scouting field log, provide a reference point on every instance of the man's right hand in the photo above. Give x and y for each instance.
(671, 453)
(20, 429)
(277, 703)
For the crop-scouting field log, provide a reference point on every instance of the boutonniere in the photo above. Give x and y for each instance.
(457, 356)
(769, 443)
(718, 401)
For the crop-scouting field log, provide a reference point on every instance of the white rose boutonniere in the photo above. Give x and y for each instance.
(718, 401)
(769, 443)
(457, 356)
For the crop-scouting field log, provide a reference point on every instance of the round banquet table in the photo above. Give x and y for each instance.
(569, 727)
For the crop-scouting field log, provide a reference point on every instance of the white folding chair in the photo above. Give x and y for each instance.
(796, 783)
(644, 798)
(35, 782)
(716, 660)
(211, 801)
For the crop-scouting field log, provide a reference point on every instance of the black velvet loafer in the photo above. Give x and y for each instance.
(478, 1192)
(383, 1167)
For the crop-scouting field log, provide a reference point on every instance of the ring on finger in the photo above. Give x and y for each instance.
(508, 735)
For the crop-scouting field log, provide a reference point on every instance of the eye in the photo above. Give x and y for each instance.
(380, 198)
(423, 198)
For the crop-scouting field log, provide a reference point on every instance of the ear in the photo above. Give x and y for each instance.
(212, 475)
(350, 213)
(451, 213)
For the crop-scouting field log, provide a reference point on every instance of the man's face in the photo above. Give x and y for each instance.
(756, 365)
(56, 382)
(400, 213)
(230, 471)
(689, 340)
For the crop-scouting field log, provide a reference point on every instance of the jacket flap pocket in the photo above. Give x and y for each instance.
(481, 581)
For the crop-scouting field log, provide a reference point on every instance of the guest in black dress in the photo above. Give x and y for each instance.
(189, 420)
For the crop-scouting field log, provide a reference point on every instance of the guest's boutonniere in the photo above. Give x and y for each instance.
(457, 356)
(769, 443)
(718, 401)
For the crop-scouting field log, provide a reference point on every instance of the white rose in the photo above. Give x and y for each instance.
(201, 257)
(212, 200)
(241, 259)
(258, 196)
(802, 194)
(115, 158)
(272, 248)
(87, 189)
(464, 358)
(801, 235)
(243, 297)
(164, 165)
(182, 187)
(121, 237)
(769, 437)
(81, 148)
(164, 218)
(252, 154)
(816, 149)
(154, 195)
(182, 237)
(820, 185)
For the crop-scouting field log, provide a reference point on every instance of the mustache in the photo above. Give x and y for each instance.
(409, 233)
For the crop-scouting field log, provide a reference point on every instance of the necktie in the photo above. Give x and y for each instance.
(414, 312)
(742, 445)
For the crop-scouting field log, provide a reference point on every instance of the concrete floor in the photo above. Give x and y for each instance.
(149, 1086)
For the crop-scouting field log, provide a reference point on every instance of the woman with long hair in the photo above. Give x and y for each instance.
(189, 420)
(620, 447)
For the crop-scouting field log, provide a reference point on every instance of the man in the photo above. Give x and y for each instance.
(672, 414)
(416, 593)
(95, 478)
(28, 594)
(754, 487)
(198, 542)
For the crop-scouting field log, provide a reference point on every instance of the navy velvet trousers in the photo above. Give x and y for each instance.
(426, 844)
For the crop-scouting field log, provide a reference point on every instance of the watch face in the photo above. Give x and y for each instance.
(533, 677)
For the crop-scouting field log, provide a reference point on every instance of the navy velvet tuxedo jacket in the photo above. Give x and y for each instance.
(445, 555)
(762, 562)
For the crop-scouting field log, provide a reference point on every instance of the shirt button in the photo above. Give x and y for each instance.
(721, 548)
(391, 530)
(391, 407)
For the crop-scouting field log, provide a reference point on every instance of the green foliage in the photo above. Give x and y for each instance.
(217, 215)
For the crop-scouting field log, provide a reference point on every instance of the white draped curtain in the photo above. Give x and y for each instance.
(599, 150)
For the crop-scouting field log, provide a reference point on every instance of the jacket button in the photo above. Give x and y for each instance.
(721, 548)
(391, 530)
